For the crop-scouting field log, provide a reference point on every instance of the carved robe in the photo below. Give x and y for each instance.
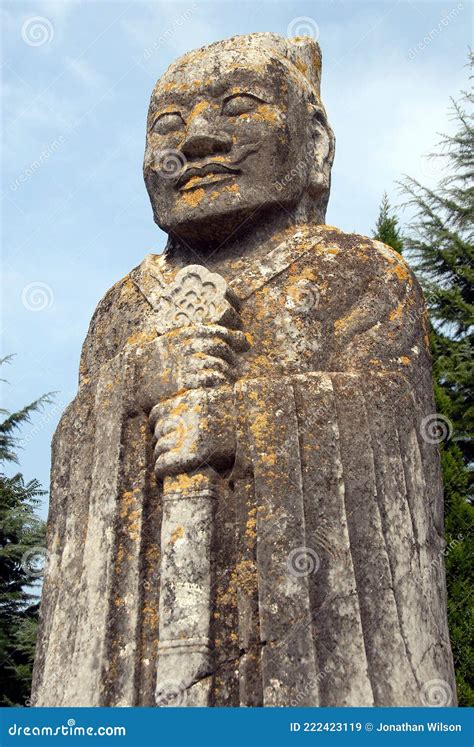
(326, 586)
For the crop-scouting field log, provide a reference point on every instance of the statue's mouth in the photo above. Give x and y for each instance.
(196, 176)
(213, 171)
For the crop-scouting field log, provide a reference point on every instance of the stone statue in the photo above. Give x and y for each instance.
(246, 503)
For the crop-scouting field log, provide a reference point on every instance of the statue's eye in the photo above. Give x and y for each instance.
(240, 103)
(167, 122)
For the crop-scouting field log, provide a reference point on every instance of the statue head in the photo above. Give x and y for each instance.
(237, 129)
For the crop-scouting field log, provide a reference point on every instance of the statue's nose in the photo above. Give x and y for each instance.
(201, 141)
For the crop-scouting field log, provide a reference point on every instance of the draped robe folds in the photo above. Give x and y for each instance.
(333, 467)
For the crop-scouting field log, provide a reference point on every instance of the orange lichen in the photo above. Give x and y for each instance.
(341, 324)
(184, 482)
(141, 337)
(153, 554)
(193, 197)
(199, 108)
(243, 578)
(396, 313)
(179, 409)
(151, 616)
(400, 272)
(120, 555)
(259, 428)
(264, 113)
(251, 528)
(131, 513)
(177, 534)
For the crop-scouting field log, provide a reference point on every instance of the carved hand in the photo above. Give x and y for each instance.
(193, 423)
(201, 355)
(193, 430)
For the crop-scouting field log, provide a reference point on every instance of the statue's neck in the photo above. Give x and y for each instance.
(255, 237)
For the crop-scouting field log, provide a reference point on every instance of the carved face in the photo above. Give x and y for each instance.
(224, 131)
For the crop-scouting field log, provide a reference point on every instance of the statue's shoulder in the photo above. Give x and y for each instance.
(121, 317)
(353, 251)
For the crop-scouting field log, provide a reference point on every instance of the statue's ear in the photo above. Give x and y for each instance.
(321, 151)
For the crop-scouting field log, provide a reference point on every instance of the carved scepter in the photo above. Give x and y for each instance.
(196, 296)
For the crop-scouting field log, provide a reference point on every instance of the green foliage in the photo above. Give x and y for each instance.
(21, 534)
(442, 230)
(386, 228)
(459, 521)
(441, 241)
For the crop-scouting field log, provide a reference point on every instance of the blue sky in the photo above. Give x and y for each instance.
(76, 81)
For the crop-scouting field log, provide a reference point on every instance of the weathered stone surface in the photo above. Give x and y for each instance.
(244, 508)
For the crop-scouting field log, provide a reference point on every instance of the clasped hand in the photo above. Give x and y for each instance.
(194, 425)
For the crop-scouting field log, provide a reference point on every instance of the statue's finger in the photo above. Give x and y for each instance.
(158, 414)
(165, 425)
(173, 441)
(235, 338)
(213, 346)
(175, 462)
(201, 362)
(206, 379)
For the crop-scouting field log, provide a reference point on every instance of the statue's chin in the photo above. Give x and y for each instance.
(211, 228)
(200, 229)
